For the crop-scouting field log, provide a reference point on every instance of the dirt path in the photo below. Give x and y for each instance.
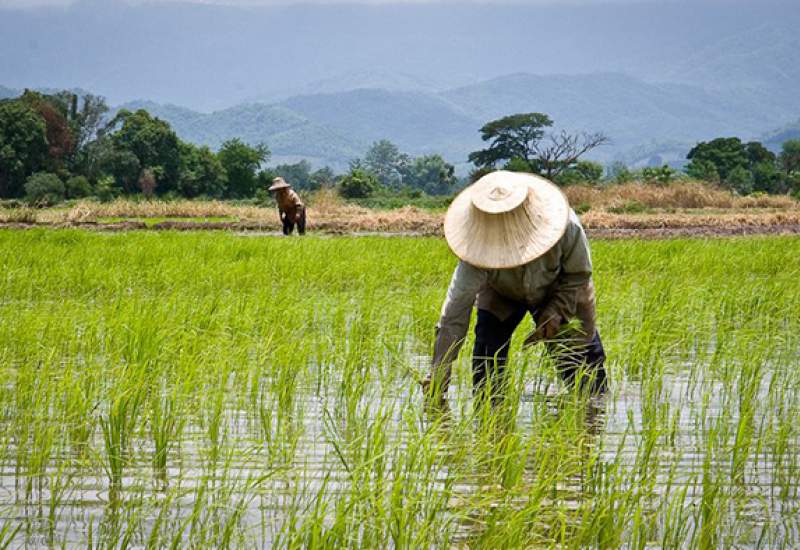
(628, 231)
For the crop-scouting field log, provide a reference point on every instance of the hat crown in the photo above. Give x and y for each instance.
(496, 196)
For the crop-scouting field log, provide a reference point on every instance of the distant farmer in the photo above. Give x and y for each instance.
(290, 208)
(522, 250)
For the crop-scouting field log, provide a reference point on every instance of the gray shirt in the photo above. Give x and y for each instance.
(556, 284)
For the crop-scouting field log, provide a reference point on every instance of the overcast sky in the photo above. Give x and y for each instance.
(40, 3)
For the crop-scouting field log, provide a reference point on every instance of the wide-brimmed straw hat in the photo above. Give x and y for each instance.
(506, 219)
(278, 183)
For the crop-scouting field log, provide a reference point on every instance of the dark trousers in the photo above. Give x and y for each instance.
(490, 354)
(288, 225)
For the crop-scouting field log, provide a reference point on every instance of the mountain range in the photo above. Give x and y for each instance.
(324, 81)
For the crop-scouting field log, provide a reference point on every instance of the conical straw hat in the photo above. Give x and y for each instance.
(506, 219)
(278, 183)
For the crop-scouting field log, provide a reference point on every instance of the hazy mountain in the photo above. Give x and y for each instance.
(773, 140)
(648, 123)
(6, 93)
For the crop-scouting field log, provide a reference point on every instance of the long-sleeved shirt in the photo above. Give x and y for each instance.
(556, 284)
(289, 204)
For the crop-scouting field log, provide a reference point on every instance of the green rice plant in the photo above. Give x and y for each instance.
(155, 379)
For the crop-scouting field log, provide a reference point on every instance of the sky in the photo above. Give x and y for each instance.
(57, 3)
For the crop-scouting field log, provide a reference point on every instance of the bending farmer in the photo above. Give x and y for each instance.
(290, 208)
(522, 250)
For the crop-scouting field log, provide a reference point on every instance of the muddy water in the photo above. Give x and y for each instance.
(74, 503)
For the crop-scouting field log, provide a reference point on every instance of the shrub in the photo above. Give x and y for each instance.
(358, 184)
(106, 189)
(77, 187)
(44, 189)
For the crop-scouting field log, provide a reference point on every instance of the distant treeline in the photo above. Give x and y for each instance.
(65, 146)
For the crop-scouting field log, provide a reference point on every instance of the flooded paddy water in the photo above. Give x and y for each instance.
(198, 390)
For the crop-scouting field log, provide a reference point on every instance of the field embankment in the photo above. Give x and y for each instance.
(616, 211)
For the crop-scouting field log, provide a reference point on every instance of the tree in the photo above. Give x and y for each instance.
(324, 177)
(152, 141)
(660, 175)
(584, 171)
(241, 162)
(563, 150)
(148, 182)
(386, 161)
(519, 140)
(44, 189)
(740, 180)
(512, 137)
(703, 170)
(725, 154)
(431, 174)
(767, 178)
(23, 146)
(298, 175)
(77, 187)
(61, 140)
(619, 172)
(790, 156)
(122, 164)
(358, 184)
(201, 173)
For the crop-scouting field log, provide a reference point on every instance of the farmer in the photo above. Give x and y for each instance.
(290, 208)
(522, 250)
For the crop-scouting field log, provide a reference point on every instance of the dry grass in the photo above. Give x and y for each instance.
(677, 205)
(676, 195)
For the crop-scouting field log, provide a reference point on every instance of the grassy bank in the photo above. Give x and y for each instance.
(616, 206)
(211, 390)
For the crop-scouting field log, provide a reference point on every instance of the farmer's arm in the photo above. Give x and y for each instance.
(576, 273)
(454, 320)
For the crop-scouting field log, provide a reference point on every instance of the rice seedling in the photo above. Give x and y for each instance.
(209, 390)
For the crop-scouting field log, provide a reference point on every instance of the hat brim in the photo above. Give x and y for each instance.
(507, 239)
(276, 186)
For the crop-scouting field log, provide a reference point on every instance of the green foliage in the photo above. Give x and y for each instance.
(703, 170)
(77, 187)
(511, 137)
(387, 163)
(44, 189)
(767, 178)
(584, 171)
(358, 184)
(431, 174)
(201, 173)
(122, 164)
(740, 180)
(23, 146)
(725, 154)
(152, 141)
(630, 207)
(618, 172)
(298, 175)
(661, 175)
(241, 162)
(790, 156)
(106, 189)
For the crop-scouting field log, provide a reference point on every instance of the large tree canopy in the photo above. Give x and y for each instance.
(521, 141)
(152, 141)
(23, 146)
(241, 162)
(511, 137)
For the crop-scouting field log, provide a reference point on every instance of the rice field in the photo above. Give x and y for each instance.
(212, 390)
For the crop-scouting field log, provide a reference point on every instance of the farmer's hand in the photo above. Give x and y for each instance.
(546, 330)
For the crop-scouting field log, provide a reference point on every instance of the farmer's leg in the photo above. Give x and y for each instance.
(489, 356)
(288, 226)
(301, 222)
